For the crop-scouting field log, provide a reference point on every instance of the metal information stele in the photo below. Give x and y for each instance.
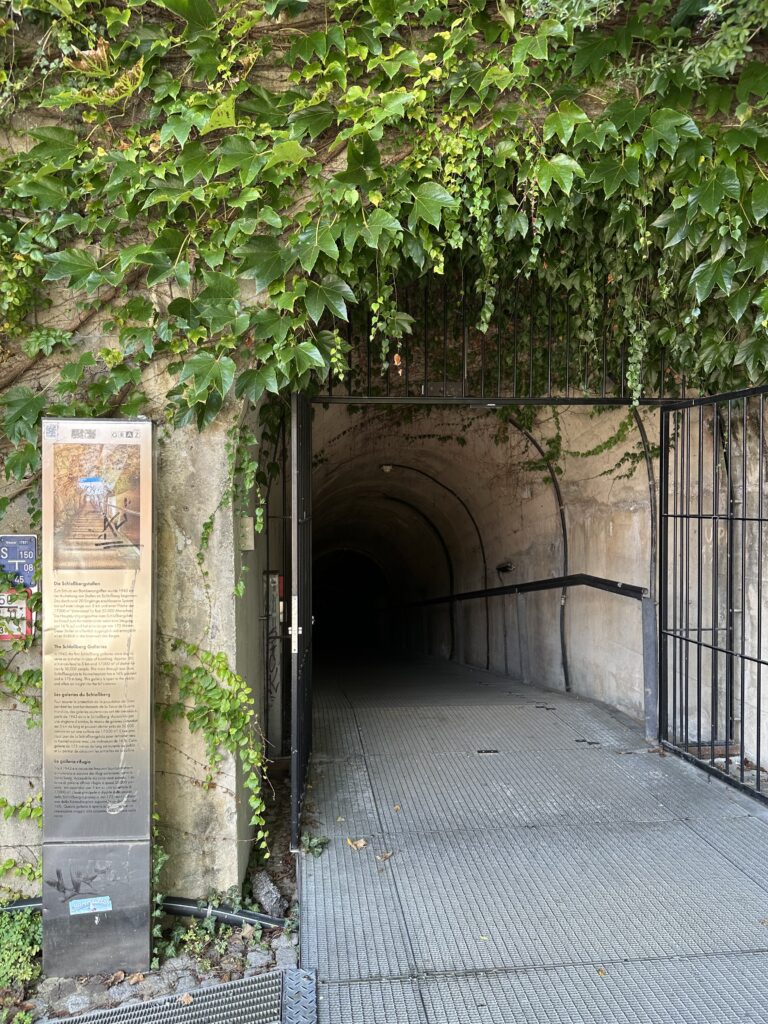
(97, 558)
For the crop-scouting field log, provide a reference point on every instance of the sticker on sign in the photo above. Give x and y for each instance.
(17, 559)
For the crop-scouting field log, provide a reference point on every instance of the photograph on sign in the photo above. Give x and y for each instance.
(97, 522)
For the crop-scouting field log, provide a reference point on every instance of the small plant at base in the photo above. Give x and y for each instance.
(313, 845)
(21, 939)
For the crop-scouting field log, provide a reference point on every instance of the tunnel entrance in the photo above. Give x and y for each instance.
(447, 531)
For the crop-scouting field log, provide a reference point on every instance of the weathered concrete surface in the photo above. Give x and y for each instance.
(205, 831)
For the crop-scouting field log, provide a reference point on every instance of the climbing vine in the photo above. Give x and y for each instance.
(197, 193)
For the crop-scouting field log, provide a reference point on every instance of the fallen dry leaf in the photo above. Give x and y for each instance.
(341, 819)
(357, 844)
(134, 979)
(246, 931)
(602, 971)
(116, 978)
(384, 856)
(185, 1000)
(397, 807)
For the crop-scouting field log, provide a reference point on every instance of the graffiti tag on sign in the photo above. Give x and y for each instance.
(17, 559)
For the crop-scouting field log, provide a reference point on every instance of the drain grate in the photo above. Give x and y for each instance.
(278, 997)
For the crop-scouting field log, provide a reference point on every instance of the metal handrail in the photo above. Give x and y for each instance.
(578, 579)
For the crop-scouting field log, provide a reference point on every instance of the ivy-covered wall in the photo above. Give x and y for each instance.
(192, 195)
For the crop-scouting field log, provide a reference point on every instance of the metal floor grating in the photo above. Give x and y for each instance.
(722, 989)
(277, 997)
(572, 875)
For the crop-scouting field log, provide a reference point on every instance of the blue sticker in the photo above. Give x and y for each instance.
(17, 555)
(92, 905)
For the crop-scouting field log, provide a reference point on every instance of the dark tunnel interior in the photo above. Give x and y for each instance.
(350, 596)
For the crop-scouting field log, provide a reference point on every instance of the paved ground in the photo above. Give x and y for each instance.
(545, 866)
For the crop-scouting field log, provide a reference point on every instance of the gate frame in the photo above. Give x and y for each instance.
(655, 668)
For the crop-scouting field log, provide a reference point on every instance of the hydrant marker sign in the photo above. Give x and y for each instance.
(97, 694)
(17, 559)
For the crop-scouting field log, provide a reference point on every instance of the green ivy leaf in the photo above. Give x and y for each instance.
(759, 198)
(429, 201)
(21, 412)
(199, 14)
(312, 121)
(72, 265)
(561, 169)
(239, 153)
(332, 294)
(222, 116)
(253, 383)
(611, 173)
(563, 121)
(205, 372)
(311, 242)
(724, 182)
(265, 260)
(307, 357)
(290, 152)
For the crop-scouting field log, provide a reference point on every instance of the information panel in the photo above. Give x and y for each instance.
(97, 694)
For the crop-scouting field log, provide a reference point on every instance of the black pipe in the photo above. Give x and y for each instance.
(179, 906)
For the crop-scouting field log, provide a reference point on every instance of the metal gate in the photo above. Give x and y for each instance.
(712, 571)
(301, 604)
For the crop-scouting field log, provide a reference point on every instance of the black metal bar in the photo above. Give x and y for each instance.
(425, 388)
(759, 670)
(715, 667)
(743, 572)
(579, 579)
(663, 574)
(699, 575)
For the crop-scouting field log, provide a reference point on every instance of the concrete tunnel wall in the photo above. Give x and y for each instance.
(459, 488)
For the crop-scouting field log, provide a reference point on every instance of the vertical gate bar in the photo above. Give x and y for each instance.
(406, 352)
(499, 299)
(483, 336)
(675, 568)
(296, 781)
(549, 344)
(604, 325)
(567, 347)
(369, 352)
(425, 389)
(714, 682)
(729, 565)
(464, 338)
(686, 634)
(531, 319)
(742, 567)
(759, 667)
(445, 336)
(699, 575)
(663, 576)
(515, 310)
(349, 358)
